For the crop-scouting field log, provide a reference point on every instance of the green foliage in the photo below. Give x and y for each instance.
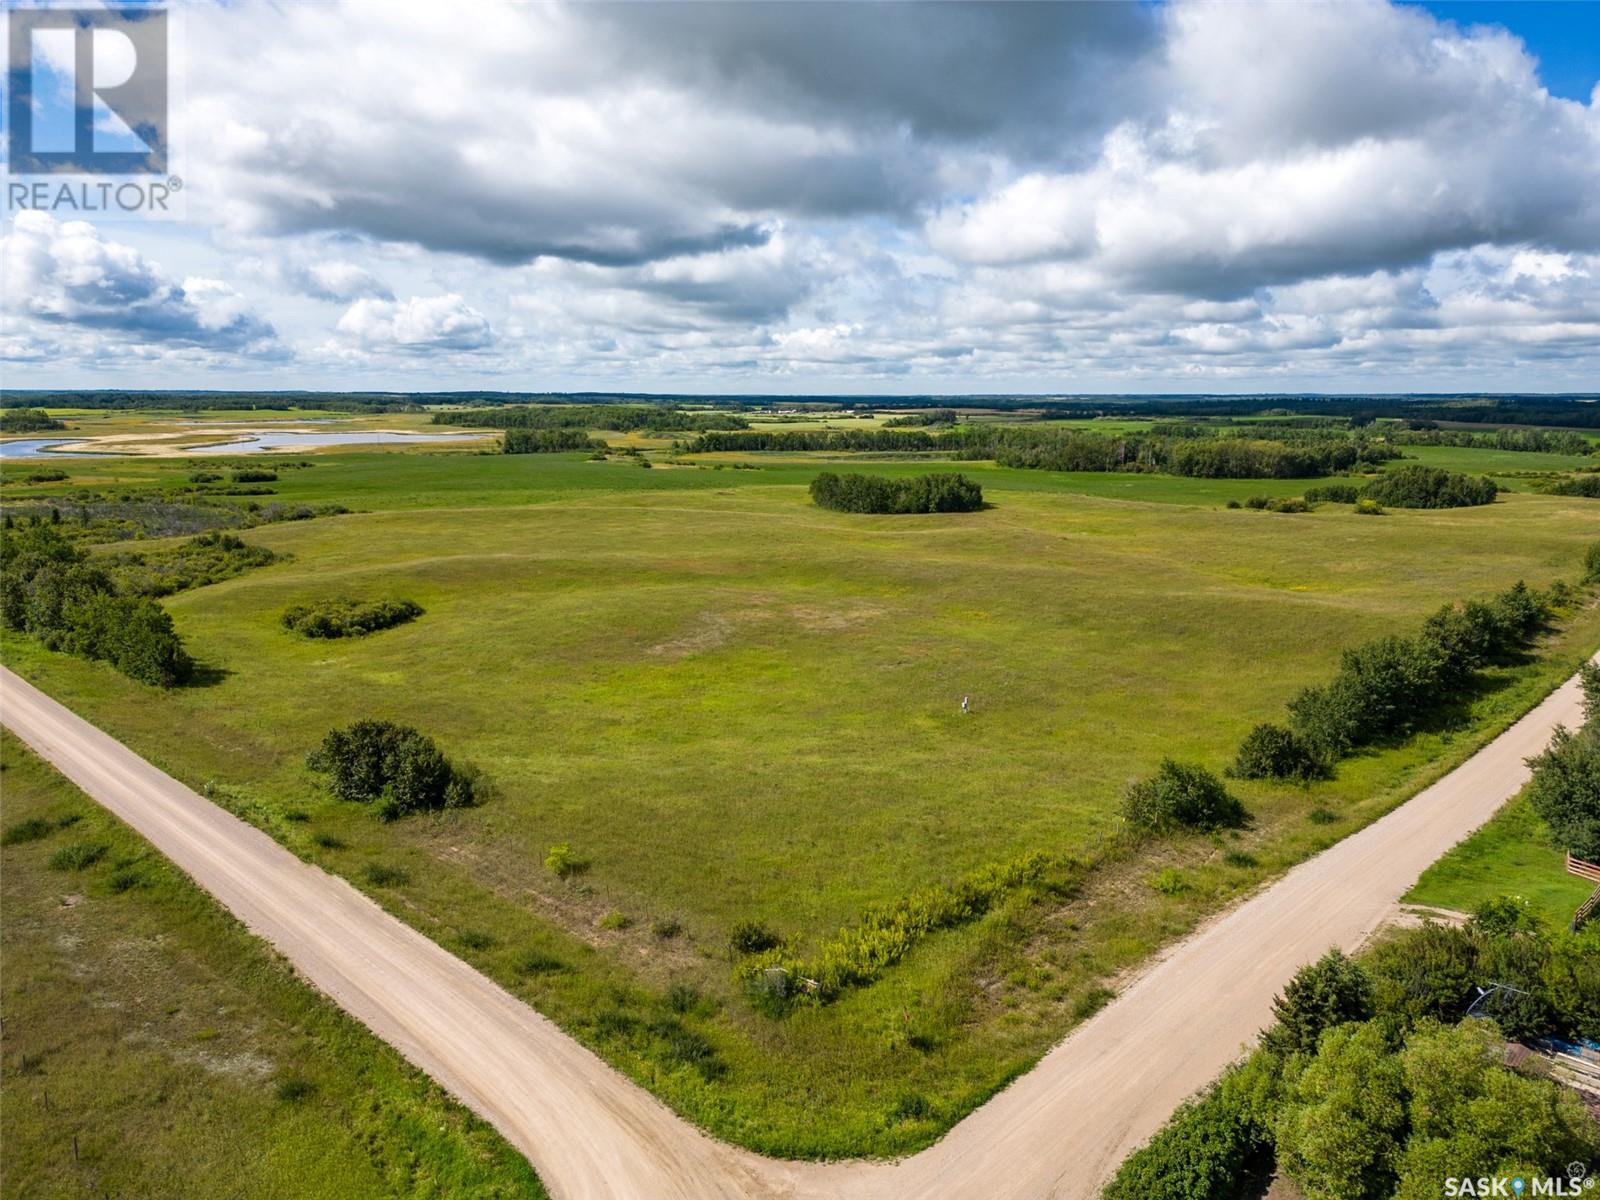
(547, 441)
(206, 559)
(940, 492)
(343, 617)
(1368, 507)
(78, 856)
(1273, 752)
(562, 861)
(886, 933)
(1334, 493)
(1591, 563)
(1429, 487)
(30, 830)
(27, 420)
(49, 589)
(1181, 796)
(382, 875)
(1587, 484)
(253, 475)
(1471, 1118)
(1332, 991)
(658, 418)
(397, 767)
(1210, 1146)
(615, 920)
(1338, 1134)
(1502, 916)
(751, 937)
(1565, 789)
(1385, 687)
(1589, 681)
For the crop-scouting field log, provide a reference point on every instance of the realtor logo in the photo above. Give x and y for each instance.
(87, 91)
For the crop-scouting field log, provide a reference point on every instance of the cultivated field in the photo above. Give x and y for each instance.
(735, 706)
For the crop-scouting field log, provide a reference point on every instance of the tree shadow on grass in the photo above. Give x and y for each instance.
(205, 675)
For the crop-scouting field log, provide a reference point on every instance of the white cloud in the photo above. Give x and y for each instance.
(420, 325)
(69, 273)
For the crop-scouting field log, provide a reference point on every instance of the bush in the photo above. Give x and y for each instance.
(563, 862)
(943, 492)
(1273, 752)
(1368, 507)
(1332, 991)
(205, 477)
(1587, 485)
(1591, 563)
(751, 937)
(615, 920)
(1429, 487)
(666, 928)
(253, 475)
(30, 830)
(1181, 796)
(1333, 493)
(78, 856)
(343, 617)
(1209, 1148)
(395, 766)
(1589, 681)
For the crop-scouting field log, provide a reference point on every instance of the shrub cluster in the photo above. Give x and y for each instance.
(1181, 796)
(522, 440)
(797, 440)
(939, 492)
(1333, 493)
(1430, 487)
(397, 767)
(883, 936)
(1578, 485)
(253, 475)
(49, 589)
(209, 558)
(343, 617)
(1273, 752)
(1385, 687)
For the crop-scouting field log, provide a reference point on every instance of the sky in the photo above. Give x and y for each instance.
(1102, 197)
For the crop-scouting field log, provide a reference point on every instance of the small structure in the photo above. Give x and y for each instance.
(1591, 872)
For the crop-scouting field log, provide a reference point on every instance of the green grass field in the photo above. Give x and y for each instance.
(740, 707)
(153, 1048)
(1511, 855)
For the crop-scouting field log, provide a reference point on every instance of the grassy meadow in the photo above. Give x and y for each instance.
(154, 1048)
(738, 707)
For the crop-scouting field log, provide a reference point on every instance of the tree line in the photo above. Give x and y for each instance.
(547, 441)
(623, 417)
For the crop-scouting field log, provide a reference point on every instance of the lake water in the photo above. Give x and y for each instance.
(253, 442)
(29, 447)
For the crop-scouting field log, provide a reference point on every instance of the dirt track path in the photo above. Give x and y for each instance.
(1057, 1132)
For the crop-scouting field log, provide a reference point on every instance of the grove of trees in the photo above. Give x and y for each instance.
(939, 492)
(393, 766)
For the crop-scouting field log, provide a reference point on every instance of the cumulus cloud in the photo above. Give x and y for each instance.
(422, 324)
(69, 273)
(964, 196)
